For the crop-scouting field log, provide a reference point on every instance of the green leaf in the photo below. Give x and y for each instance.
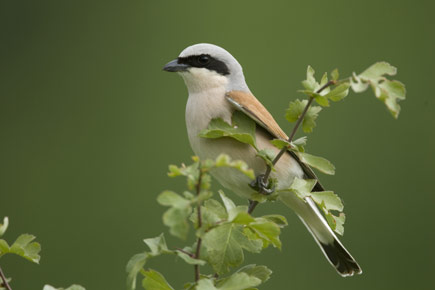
(295, 110)
(310, 83)
(4, 226)
(279, 143)
(239, 281)
(261, 272)
(176, 217)
(72, 287)
(228, 203)
(191, 172)
(154, 281)
(391, 92)
(170, 198)
(335, 75)
(24, 247)
(267, 155)
(329, 199)
(319, 163)
(302, 187)
(279, 220)
(212, 212)
(205, 284)
(339, 220)
(190, 260)
(242, 129)
(157, 245)
(225, 244)
(321, 100)
(377, 70)
(267, 231)
(134, 265)
(224, 160)
(388, 91)
(176, 220)
(339, 92)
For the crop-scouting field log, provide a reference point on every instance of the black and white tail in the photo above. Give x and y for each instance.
(334, 251)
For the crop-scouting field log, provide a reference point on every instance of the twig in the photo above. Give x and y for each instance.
(185, 252)
(5, 282)
(198, 243)
(253, 204)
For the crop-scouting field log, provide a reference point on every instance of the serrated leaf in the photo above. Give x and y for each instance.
(335, 75)
(242, 129)
(268, 231)
(239, 281)
(154, 281)
(267, 155)
(391, 92)
(228, 203)
(339, 221)
(205, 284)
(302, 187)
(190, 260)
(224, 160)
(339, 92)
(176, 220)
(280, 220)
(72, 287)
(295, 110)
(357, 84)
(170, 198)
(310, 83)
(261, 272)
(329, 199)
(191, 172)
(377, 70)
(212, 212)
(134, 265)
(24, 247)
(4, 226)
(388, 91)
(317, 162)
(157, 245)
(225, 244)
(321, 100)
(176, 217)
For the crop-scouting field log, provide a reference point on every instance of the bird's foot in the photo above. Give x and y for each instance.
(262, 186)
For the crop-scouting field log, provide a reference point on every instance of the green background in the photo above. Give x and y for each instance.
(89, 123)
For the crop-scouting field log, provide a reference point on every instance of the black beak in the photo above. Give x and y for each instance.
(174, 66)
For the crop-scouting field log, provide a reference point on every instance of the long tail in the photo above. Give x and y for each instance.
(330, 245)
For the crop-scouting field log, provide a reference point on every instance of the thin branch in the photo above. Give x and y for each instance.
(252, 205)
(199, 241)
(185, 252)
(5, 282)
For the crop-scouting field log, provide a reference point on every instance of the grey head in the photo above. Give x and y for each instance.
(204, 64)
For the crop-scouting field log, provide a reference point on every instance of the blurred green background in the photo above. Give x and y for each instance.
(89, 123)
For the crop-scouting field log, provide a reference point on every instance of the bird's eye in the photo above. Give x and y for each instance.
(203, 59)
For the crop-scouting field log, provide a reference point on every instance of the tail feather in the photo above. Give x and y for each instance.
(330, 245)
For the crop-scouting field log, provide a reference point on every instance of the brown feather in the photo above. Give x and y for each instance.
(253, 107)
(248, 103)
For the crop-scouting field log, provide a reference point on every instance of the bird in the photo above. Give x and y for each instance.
(216, 89)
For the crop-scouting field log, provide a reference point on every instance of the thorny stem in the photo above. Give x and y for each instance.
(199, 241)
(253, 204)
(5, 282)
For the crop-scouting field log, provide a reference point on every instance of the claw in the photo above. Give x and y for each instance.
(261, 186)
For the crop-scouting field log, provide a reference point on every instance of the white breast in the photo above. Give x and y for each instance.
(206, 102)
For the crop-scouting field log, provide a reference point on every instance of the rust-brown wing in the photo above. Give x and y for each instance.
(248, 104)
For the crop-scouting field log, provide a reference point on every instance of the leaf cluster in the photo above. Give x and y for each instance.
(25, 247)
(224, 232)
